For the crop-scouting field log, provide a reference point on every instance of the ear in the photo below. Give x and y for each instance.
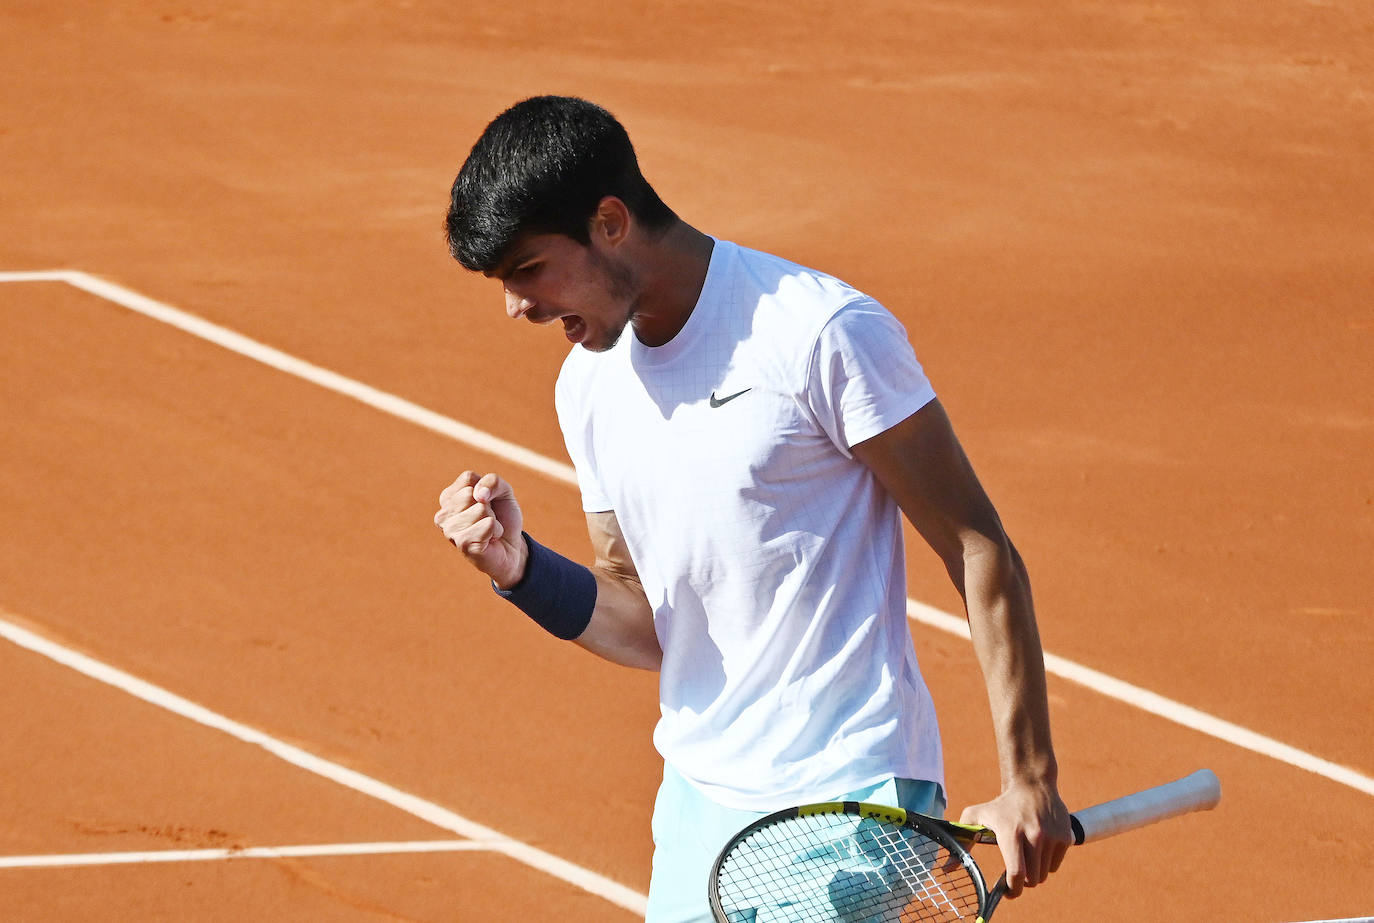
(611, 221)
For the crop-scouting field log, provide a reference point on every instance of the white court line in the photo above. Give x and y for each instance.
(1111, 687)
(71, 860)
(284, 362)
(1169, 709)
(439, 816)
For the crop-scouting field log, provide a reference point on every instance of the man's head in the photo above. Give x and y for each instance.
(543, 167)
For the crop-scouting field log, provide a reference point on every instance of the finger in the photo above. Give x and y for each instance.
(472, 528)
(1014, 857)
(463, 482)
(1051, 850)
(491, 487)
(1030, 857)
(466, 479)
(1037, 864)
(498, 531)
(972, 814)
(1050, 857)
(457, 523)
(476, 538)
(453, 502)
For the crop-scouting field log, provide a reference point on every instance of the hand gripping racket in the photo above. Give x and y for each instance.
(848, 862)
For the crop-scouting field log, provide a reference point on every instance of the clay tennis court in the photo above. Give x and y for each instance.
(1133, 246)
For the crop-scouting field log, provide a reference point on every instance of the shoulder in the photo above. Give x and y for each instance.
(794, 318)
(797, 288)
(794, 303)
(576, 377)
(863, 324)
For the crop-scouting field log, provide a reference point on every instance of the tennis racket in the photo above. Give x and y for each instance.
(849, 862)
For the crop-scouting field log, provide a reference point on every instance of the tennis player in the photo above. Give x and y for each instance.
(747, 434)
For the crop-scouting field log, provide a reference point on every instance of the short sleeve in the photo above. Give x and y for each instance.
(863, 376)
(576, 427)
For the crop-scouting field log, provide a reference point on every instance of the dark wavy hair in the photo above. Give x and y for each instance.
(542, 167)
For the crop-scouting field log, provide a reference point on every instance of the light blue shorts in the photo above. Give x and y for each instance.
(690, 830)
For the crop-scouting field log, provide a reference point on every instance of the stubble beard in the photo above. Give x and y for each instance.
(621, 288)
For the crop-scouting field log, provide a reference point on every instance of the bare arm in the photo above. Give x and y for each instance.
(622, 625)
(920, 462)
(481, 518)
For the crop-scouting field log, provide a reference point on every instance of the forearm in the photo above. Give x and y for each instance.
(602, 608)
(920, 462)
(622, 626)
(1007, 642)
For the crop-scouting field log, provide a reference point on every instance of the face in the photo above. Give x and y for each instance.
(550, 277)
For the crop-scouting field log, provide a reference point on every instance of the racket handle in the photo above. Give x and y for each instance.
(1197, 792)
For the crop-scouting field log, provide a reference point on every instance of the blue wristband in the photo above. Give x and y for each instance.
(557, 593)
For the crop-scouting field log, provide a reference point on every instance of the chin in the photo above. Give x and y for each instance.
(599, 346)
(605, 341)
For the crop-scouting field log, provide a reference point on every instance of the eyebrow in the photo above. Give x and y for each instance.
(519, 254)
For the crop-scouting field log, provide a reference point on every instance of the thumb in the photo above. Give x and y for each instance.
(491, 488)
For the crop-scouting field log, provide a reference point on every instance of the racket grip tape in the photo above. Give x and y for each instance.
(1199, 791)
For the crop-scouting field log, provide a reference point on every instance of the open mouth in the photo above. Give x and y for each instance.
(574, 328)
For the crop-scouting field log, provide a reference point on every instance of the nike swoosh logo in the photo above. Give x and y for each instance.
(721, 401)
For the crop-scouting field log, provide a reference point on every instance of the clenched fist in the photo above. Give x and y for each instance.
(483, 521)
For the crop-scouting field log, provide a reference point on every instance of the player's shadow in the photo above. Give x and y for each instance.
(702, 664)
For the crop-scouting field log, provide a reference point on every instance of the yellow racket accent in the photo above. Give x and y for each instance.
(971, 833)
(882, 812)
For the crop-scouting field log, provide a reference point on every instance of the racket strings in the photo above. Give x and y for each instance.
(837, 868)
(938, 881)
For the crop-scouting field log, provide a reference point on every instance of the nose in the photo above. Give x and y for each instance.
(517, 305)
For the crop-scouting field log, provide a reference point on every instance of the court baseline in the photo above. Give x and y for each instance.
(69, 860)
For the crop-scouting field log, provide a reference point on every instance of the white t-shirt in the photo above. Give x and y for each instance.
(772, 558)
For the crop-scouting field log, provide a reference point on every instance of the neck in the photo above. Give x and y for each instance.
(675, 267)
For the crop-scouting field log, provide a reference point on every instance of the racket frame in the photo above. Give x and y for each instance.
(955, 838)
(1199, 791)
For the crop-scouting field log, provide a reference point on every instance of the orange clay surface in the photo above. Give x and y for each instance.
(1132, 243)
